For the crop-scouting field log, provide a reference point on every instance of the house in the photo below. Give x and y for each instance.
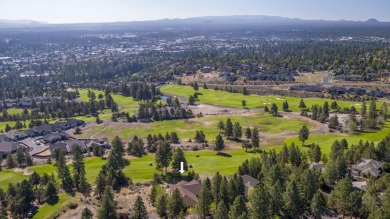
(15, 135)
(189, 191)
(71, 143)
(60, 145)
(368, 167)
(7, 147)
(4, 138)
(249, 182)
(101, 141)
(30, 133)
(54, 137)
(337, 90)
(317, 166)
(75, 122)
(47, 128)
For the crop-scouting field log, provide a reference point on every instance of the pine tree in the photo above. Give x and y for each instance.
(107, 207)
(285, 106)
(163, 156)
(10, 161)
(255, 139)
(221, 211)
(139, 210)
(276, 203)
(274, 110)
(340, 196)
(228, 128)
(51, 190)
(100, 184)
(302, 104)
(224, 191)
(238, 209)
(177, 158)
(79, 178)
(216, 187)
(237, 130)
(219, 143)
(20, 157)
(29, 160)
(205, 198)
(248, 133)
(221, 126)
(303, 134)
(115, 159)
(317, 205)
(161, 205)
(315, 153)
(293, 204)
(260, 203)
(176, 204)
(63, 172)
(243, 103)
(86, 214)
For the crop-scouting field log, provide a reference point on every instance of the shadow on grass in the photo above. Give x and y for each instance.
(255, 152)
(223, 154)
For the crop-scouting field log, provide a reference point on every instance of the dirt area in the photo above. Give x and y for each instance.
(207, 109)
(125, 200)
(25, 171)
(310, 77)
(201, 78)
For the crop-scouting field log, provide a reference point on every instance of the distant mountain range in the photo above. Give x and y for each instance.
(210, 21)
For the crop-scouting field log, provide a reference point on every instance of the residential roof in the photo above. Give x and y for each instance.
(369, 166)
(318, 166)
(71, 143)
(189, 191)
(60, 145)
(250, 181)
(7, 147)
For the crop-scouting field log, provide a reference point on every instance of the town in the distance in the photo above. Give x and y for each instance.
(238, 117)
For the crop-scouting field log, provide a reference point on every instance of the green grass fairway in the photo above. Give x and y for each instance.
(125, 104)
(186, 128)
(92, 168)
(326, 141)
(223, 98)
(50, 210)
(207, 164)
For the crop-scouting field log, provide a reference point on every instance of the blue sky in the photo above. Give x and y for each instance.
(79, 11)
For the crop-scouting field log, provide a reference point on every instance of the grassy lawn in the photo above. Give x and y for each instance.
(50, 210)
(222, 98)
(186, 128)
(10, 176)
(3, 124)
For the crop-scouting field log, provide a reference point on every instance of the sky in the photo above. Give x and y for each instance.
(83, 11)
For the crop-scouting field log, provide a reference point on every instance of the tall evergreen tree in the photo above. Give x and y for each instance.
(274, 109)
(163, 156)
(107, 206)
(205, 198)
(303, 134)
(86, 214)
(293, 204)
(228, 128)
(260, 203)
(317, 205)
(175, 204)
(139, 210)
(238, 209)
(219, 143)
(79, 178)
(161, 205)
(115, 159)
(221, 211)
(255, 139)
(177, 158)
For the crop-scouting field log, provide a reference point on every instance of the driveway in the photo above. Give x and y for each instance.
(34, 148)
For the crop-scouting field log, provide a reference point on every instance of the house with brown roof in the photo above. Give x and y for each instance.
(189, 191)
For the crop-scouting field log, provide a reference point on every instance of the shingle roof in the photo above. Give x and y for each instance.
(189, 191)
(7, 147)
(250, 181)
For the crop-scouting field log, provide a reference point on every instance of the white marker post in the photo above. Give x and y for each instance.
(181, 167)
